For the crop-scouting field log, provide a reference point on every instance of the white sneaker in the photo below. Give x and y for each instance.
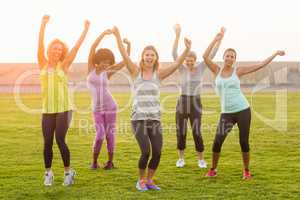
(49, 178)
(69, 177)
(180, 163)
(202, 164)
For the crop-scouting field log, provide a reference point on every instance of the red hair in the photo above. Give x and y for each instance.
(65, 48)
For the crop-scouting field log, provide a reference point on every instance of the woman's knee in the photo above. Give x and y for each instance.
(244, 146)
(145, 154)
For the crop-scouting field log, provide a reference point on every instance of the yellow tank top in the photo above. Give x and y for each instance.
(55, 91)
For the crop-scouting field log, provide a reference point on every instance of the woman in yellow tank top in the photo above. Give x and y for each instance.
(56, 102)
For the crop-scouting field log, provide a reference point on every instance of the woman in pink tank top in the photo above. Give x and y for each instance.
(101, 66)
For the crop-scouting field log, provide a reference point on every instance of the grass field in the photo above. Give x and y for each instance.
(275, 156)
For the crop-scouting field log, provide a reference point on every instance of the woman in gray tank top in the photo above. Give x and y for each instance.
(145, 116)
(189, 105)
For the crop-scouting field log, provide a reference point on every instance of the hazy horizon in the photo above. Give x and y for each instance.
(254, 28)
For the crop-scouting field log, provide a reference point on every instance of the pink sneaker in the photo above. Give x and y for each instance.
(94, 166)
(109, 165)
(141, 185)
(246, 175)
(211, 173)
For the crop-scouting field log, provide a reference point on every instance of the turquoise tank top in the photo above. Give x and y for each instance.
(231, 96)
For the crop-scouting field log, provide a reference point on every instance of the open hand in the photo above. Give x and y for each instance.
(107, 32)
(280, 53)
(45, 19)
(126, 41)
(86, 24)
(188, 43)
(177, 29)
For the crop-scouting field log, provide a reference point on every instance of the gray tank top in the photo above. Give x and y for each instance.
(146, 104)
(190, 82)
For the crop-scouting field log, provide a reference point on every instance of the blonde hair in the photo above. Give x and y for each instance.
(65, 48)
(192, 54)
(156, 64)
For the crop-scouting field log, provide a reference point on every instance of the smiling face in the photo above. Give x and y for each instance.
(103, 59)
(229, 57)
(103, 65)
(190, 62)
(57, 51)
(190, 59)
(149, 58)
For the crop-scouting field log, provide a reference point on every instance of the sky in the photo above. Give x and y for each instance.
(255, 28)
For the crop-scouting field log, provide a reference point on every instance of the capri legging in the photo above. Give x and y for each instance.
(226, 123)
(189, 108)
(148, 134)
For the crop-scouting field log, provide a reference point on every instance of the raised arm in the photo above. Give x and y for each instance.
(131, 66)
(215, 49)
(177, 30)
(127, 42)
(116, 67)
(167, 71)
(72, 54)
(91, 63)
(42, 60)
(252, 68)
(207, 54)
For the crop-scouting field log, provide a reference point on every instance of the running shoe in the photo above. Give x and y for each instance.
(69, 177)
(246, 175)
(202, 164)
(211, 173)
(151, 186)
(180, 163)
(141, 186)
(49, 178)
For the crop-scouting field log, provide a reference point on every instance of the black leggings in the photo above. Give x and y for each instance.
(189, 107)
(58, 123)
(227, 121)
(148, 133)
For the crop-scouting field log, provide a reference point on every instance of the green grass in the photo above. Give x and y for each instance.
(275, 155)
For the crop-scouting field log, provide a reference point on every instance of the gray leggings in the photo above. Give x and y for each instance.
(148, 134)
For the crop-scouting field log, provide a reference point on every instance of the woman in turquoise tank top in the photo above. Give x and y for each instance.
(57, 106)
(235, 108)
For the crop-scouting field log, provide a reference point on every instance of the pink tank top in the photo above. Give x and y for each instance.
(102, 99)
